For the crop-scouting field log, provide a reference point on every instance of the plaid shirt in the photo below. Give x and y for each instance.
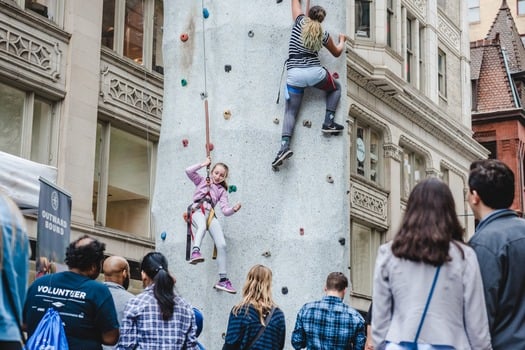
(143, 327)
(329, 324)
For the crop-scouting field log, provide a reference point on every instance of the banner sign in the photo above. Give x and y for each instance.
(53, 227)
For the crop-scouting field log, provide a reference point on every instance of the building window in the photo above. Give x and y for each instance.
(473, 11)
(134, 29)
(362, 18)
(421, 50)
(367, 156)
(444, 175)
(50, 9)
(413, 171)
(28, 126)
(390, 25)
(409, 52)
(123, 181)
(521, 7)
(492, 147)
(442, 73)
(365, 242)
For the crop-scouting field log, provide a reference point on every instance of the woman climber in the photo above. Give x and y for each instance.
(304, 70)
(209, 192)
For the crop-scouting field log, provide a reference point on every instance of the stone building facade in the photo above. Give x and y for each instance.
(81, 90)
(409, 115)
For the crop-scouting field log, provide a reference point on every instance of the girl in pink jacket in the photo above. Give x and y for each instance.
(208, 193)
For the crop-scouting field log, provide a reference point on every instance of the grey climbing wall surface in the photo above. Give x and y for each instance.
(291, 220)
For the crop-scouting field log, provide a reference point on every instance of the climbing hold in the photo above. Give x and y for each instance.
(185, 216)
(307, 123)
(209, 147)
(227, 68)
(163, 235)
(301, 231)
(204, 95)
(276, 121)
(266, 254)
(284, 290)
(185, 142)
(335, 75)
(329, 179)
(279, 1)
(232, 188)
(184, 37)
(251, 33)
(227, 114)
(342, 241)
(205, 12)
(183, 82)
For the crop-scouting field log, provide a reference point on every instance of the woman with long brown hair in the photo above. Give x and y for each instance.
(428, 254)
(256, 322)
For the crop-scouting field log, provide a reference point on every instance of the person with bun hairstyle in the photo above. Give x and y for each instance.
(304, 70)
(157, 318)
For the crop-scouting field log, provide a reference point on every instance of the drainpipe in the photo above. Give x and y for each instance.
(511, 81)
(520, 159)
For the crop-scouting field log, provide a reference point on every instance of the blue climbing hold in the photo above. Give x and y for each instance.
(232, 188)
(205, 12)
(163, 235)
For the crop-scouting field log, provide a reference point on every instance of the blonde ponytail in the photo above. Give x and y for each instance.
(312, 34)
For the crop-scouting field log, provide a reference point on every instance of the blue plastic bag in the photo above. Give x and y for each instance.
(49, 334)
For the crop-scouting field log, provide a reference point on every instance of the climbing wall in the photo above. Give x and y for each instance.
(296, 220)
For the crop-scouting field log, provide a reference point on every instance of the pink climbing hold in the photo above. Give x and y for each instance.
(335, 75)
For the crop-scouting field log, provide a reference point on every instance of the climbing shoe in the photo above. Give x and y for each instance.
(226, 286)
(333, 127)
(196, 257)
(281, 156)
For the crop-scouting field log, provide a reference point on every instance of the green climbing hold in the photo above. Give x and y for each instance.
(183, 82)
(232, 188)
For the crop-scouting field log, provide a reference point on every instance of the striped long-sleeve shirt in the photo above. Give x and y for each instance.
(245, 326)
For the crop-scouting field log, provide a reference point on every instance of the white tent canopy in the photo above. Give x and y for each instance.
(19, 179)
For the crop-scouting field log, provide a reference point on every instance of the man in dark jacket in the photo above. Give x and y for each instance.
(499, 242)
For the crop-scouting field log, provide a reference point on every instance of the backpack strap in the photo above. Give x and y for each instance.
(267, 320)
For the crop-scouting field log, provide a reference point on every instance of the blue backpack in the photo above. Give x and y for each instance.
(49, 334)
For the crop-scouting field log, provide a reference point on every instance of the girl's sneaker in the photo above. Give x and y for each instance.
(226, 286)
(196, 257)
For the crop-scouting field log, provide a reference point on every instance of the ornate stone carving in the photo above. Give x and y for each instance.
(133, 95)
(368, 203)
(449, 34)
(41, 56)
(418, 5)
(393, 151)
(427, 117)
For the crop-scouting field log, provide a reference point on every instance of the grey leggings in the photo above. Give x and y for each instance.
(295, 96)
(199, 222)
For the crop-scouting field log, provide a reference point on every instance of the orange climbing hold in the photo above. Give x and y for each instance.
(209, 147)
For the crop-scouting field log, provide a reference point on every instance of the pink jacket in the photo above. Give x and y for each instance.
(218, 193)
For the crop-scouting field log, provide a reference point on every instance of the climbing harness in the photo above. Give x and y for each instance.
(207, 197)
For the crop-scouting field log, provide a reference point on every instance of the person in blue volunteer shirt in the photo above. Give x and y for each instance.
(85, 306)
